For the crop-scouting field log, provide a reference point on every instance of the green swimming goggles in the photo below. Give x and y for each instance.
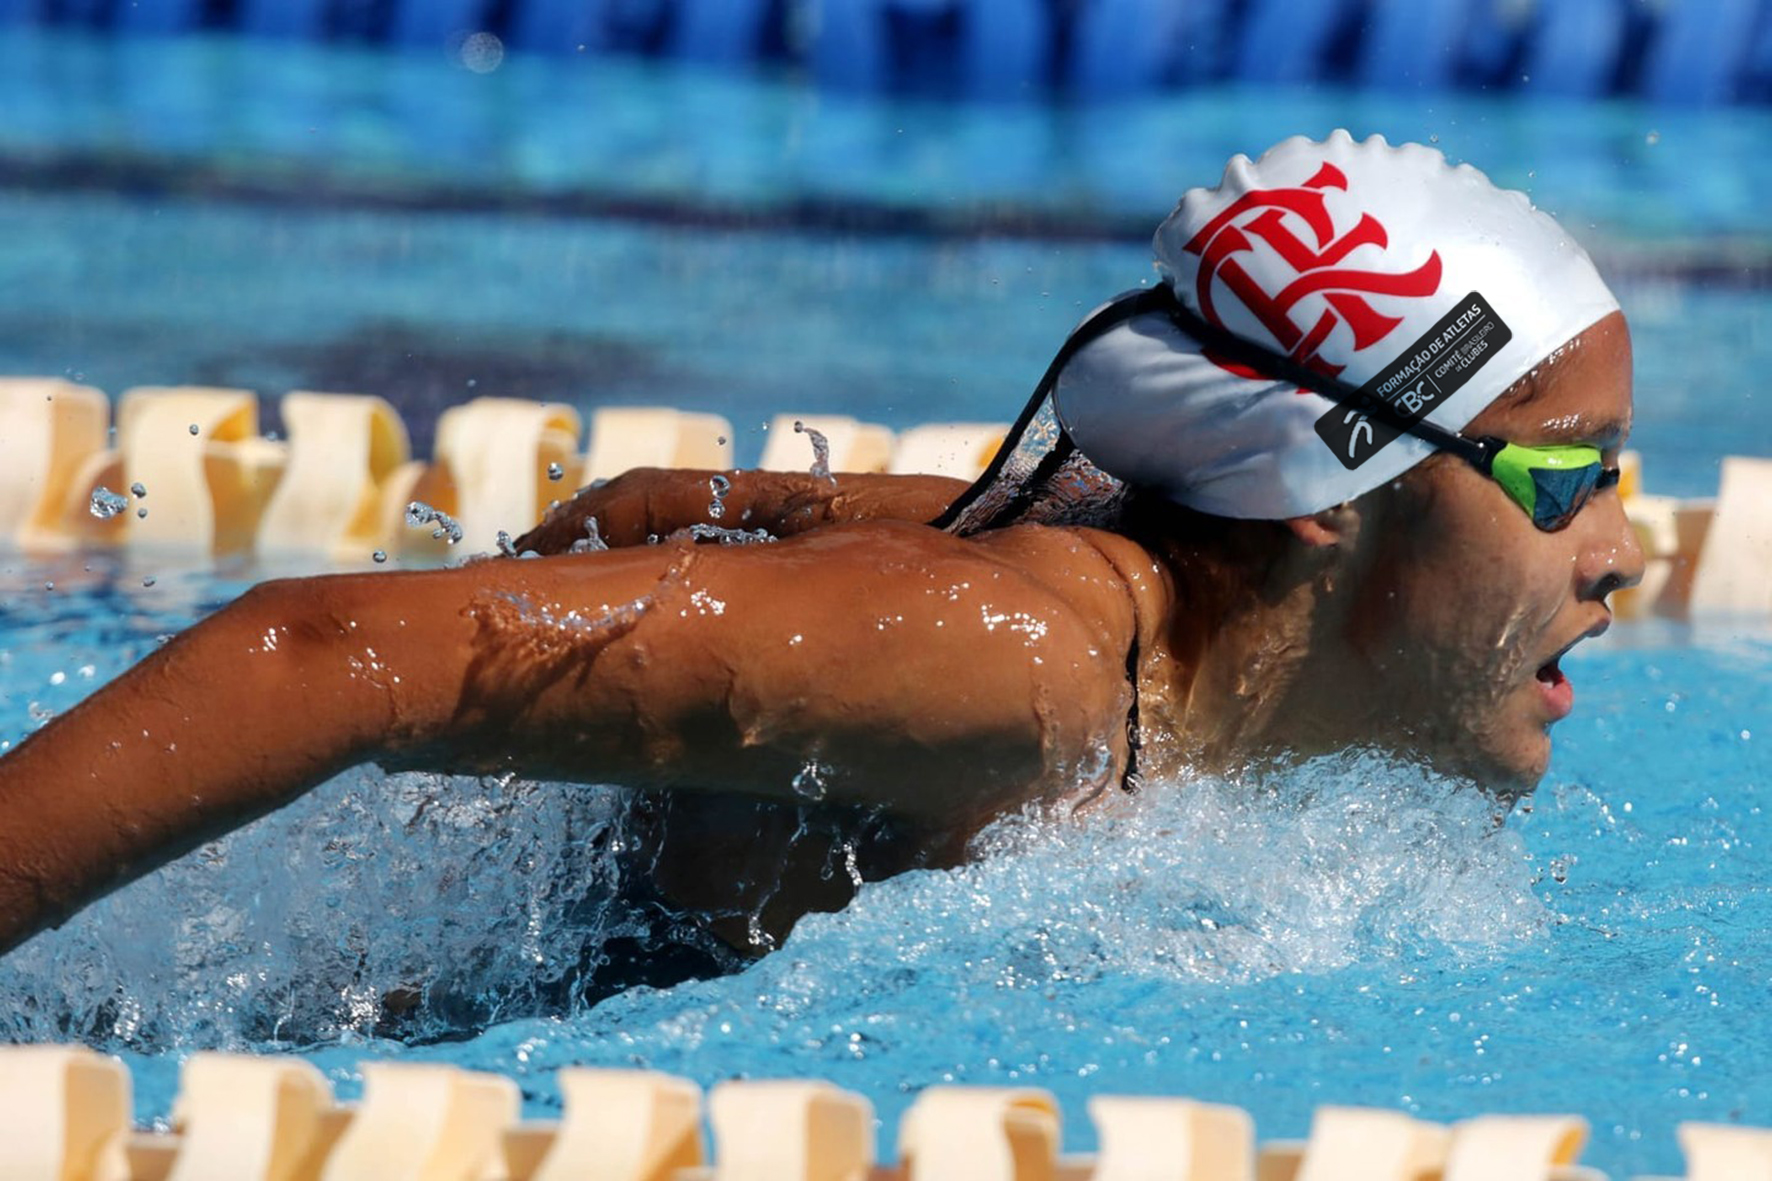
(1551, 483)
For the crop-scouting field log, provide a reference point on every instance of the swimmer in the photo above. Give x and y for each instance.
(1342, 476)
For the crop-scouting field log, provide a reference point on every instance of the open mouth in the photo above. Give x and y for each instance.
(1554, 687)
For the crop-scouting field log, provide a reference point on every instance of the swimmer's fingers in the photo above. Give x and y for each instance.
(649, 503)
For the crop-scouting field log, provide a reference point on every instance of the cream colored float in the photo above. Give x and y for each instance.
(1719, 1152)
(1518, 1148)
(855, 446)
(207, 473)
(958, 449)
(64, 1115)
(495, 459)
(420, 1122)
(52, 428)
(622, 1125)
(1733, 576)
(1146, 1139)
(627, 437)
(980, 1134)
(343, 451)
(791, 1130)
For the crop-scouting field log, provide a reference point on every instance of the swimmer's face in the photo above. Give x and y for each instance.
(1467, 607)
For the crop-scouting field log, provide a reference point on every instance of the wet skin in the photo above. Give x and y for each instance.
(1457, 608)
(932, 680)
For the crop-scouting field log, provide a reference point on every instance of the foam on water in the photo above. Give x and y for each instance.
(430, 906)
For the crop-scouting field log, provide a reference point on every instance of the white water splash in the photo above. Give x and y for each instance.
(821, 451)
(419, 514)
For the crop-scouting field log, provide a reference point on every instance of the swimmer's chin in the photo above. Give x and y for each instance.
(1509, 776)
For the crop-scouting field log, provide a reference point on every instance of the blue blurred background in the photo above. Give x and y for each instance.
(1709, 51)
(889, 208)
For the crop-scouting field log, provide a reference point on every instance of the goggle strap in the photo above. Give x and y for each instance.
(1478, 452)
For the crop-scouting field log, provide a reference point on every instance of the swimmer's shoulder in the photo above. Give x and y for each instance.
(1096, 570)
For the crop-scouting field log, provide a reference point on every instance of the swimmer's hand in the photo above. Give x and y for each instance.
(881, 665)
(648, 503)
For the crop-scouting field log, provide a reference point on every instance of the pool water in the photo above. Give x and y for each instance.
(1348, 932)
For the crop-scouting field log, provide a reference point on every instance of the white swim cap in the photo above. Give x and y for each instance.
(1422, 284)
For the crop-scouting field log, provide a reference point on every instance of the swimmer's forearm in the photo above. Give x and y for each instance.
(656, 502)
(228, 721)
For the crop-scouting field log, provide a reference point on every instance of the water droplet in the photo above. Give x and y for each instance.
(420, 514)
(49, 586)
(148, 581)
(719, 486)
(811, 782)
(142, 512)
(106, 504)
(592, 542)
(380, 555)
(193, 428)
(556, 472)
(821, 451)
(138, 490)
(720, 440)
(1653, 138)
(482, 53)
(505, 548)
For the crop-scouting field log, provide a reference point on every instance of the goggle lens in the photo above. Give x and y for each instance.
(1552, 483)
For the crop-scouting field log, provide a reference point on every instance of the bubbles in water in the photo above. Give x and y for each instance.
(419, 514)
(482, 53)
(556, 472)
(812, 781)
(592, 542)
(106, 504)
(138, 490)
(821, 451)
(719, 486)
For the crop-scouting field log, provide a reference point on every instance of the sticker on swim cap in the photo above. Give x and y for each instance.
(1416, 281)
(1434, 368)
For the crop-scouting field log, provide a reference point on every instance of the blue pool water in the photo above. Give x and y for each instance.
(178, 211)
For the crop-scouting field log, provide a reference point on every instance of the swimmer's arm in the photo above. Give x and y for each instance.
(940, 680)
(656, 502)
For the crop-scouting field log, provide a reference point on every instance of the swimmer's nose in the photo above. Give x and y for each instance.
(1612, 558)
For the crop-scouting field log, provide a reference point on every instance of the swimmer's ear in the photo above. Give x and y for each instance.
(1326, 529)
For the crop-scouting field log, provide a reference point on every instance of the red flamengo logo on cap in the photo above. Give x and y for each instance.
(1261, 214)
